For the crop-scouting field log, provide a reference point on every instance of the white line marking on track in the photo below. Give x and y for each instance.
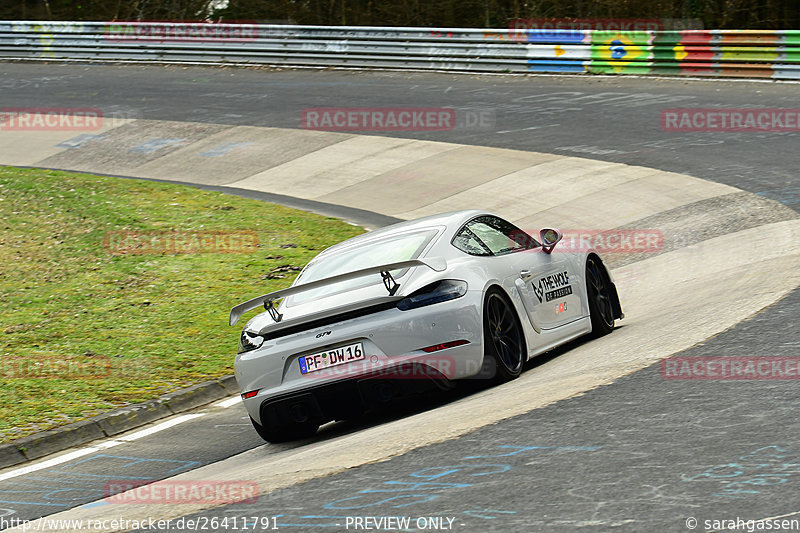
(47, 464)
(159, 427)
(530, 128)
(80, 452)
(229, 402)
(107, 444)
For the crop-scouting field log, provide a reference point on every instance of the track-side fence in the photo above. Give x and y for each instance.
(735, 53)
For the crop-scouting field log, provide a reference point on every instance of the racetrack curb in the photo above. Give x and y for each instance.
(115, 422)
(361, 217)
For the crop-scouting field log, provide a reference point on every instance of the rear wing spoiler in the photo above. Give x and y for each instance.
(268, 300)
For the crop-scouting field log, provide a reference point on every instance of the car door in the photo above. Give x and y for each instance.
(552, 287)
(547, 283)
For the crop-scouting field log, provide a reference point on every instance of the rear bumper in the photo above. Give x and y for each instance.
(348, 398)
(392, 341)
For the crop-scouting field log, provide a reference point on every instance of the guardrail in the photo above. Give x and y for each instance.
(735, 53)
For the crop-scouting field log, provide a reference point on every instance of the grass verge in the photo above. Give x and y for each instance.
(98, 310)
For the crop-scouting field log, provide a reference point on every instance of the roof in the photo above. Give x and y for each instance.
(452, 218)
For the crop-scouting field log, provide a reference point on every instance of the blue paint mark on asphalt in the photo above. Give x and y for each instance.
(157, 144)
(764, 467)
(48, 485)
(520, 449)
(314, 524)
(436, 473)
(101, 476)
(495, 469)
(35, 503)
(787, 196)
(372, 497)
(95, 504)
(405, 486)
(131, 461)
(50, 495)
(49, 490)
(60, 479)
(79, 141)
(418, 498)
(485, 513)
(222, 149)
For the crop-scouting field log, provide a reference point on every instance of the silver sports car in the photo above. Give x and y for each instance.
(418, 304)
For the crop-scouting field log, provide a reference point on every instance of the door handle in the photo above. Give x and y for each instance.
(525, 275)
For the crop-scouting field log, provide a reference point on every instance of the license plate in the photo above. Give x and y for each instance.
(332, 357)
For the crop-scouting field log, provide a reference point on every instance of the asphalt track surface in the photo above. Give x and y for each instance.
(642, 454)
(605, 118)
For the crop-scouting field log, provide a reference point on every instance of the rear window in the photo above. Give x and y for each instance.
(380, 252)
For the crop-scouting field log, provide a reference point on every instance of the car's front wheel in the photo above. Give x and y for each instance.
(598, 290)
(504, 343)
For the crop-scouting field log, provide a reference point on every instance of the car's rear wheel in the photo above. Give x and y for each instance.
(503, 338)
(286, 432)
(598, 291)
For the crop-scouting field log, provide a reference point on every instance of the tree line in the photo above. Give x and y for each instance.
(719, 14)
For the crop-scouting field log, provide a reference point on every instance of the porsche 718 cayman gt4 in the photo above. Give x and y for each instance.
(430, 301)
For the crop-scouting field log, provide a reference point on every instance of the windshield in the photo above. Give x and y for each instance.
(379, 252)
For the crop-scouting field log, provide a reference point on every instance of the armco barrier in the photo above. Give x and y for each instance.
(736, 53)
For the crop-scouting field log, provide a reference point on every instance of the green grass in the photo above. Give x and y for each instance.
(86, 330)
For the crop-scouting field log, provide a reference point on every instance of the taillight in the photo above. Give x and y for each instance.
(249, 341)
(439, 291)
(445, 345)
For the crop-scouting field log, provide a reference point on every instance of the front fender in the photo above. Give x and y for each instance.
(616, 305)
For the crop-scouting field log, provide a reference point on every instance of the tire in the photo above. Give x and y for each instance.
(598, 292)
(285, 433)
(504, 341)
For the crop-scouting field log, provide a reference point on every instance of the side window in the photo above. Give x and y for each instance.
(488, 235)
(466, 241)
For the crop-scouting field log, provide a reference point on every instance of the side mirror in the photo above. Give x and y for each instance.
(549, 237)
